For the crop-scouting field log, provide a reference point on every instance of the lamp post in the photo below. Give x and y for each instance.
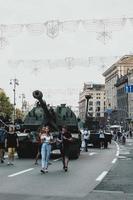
(87, 104)
(14, 82)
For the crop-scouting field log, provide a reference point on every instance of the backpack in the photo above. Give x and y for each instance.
(2, 135)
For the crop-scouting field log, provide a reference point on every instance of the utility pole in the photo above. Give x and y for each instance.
(14, 82)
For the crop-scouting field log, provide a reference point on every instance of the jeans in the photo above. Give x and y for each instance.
(86, 145)
(45, 153)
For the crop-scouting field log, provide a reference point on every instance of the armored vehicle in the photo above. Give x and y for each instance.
(42, 115)
(92, 124)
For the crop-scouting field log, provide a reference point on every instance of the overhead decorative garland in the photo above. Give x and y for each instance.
(68, 62)
(102, 27)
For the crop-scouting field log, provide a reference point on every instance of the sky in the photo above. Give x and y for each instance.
(60, 84)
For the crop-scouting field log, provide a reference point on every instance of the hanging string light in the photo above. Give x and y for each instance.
(3, 40)
(68, 63)
(52, 28)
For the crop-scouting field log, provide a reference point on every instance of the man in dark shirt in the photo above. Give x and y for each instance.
(65, 139)
(11, 143)
(2, 144)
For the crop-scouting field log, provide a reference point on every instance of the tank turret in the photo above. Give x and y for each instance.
(40, 114)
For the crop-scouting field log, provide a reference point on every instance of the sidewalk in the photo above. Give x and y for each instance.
(107, 195)
(118, 184)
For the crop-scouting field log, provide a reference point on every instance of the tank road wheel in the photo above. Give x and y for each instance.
(75, 150)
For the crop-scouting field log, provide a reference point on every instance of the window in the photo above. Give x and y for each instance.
(91, 103)
(98, 109)
(98, 103)
(98, 114)
(91, 109)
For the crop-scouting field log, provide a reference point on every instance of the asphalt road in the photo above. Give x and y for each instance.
(24, 180)
(118, 184)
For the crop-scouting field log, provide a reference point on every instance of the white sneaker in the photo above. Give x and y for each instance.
(46, 170)
(11, 163)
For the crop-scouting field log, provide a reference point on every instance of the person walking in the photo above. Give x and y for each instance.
(65, 139)
(39, 145)
(11, 143)
(123, 138)
(130, 133)
(2, 144)
(119, 135)
(101, 138)
(46, 140)
(115, 135)
(86, 139)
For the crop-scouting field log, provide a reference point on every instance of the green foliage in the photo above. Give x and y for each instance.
(6, 108)
(19, 114)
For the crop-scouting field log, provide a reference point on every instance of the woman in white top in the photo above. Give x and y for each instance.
(46, 140)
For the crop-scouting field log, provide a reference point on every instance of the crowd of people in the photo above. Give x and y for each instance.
(99, 137)
(9, 140)
(121, 136)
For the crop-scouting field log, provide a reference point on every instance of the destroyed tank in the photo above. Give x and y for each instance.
(55, 117)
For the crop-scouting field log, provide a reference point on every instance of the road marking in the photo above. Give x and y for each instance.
(118, 149)
(21, 172)
(102, 175)
(114, 160)
(57, 159)
(92, 153)
(117, 153)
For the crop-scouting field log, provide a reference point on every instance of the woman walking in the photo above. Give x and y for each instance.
(39, 143)
(46, 140)
(11, 143)
(65, 139)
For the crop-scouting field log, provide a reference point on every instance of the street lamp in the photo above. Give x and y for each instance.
(87, 98)
(14, 82)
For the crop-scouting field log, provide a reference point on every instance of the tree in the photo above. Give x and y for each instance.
(19, 116)
(6, 108)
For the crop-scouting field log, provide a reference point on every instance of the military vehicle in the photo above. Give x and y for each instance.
(42, 115)
(93, 125)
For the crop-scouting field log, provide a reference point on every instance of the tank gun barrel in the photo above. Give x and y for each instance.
(39, 95)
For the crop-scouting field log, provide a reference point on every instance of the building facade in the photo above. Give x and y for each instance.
(130, 95)
(96, 107)
(120, 68)
(120, 114)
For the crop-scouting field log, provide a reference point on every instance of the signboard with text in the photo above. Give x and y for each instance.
(128, 88)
